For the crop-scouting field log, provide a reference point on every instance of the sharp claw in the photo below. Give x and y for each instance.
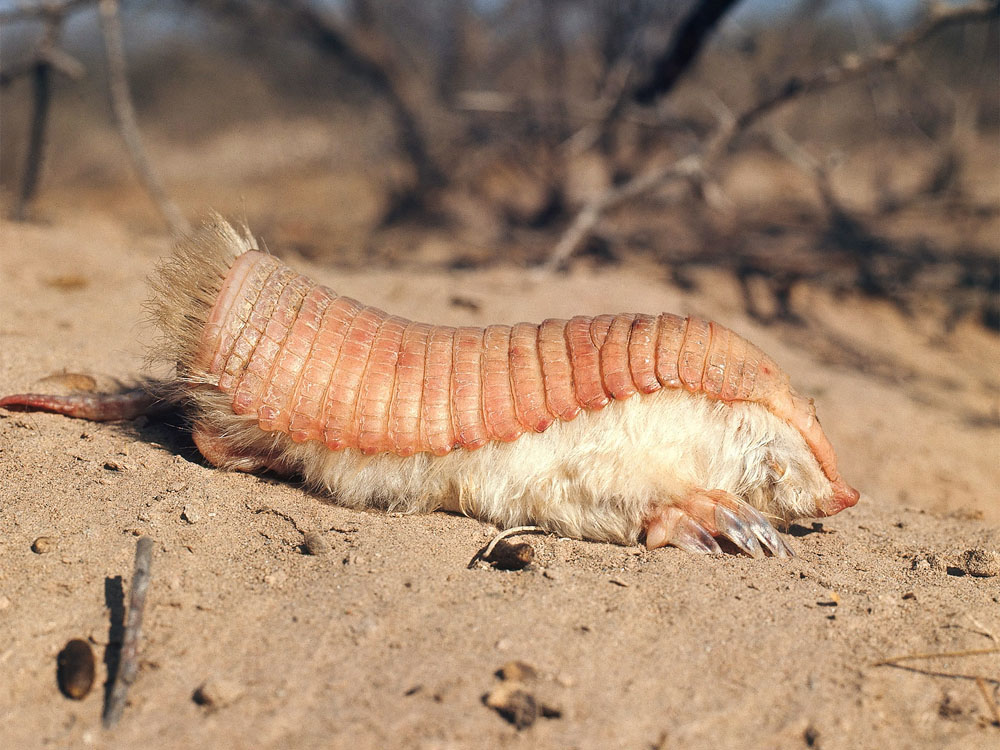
(784, 550)
(764, 531)
(690, 537)
(738, 531)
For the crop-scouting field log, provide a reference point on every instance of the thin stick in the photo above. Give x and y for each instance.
(942, 673)
(947, 654)
(128, 667)
(988, 697)
(486, 551)
(121, 104)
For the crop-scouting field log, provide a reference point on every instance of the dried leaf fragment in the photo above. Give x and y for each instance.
(517, 671)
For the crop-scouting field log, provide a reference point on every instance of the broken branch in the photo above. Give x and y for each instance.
(692, 166)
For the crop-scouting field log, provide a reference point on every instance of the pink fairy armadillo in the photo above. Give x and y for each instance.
(619, 427)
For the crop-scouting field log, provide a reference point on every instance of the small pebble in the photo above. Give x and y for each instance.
(314, 543)
(511, 556)
(514, 704)
(981, 563)
(517, 671)
(216, 693)
(43, 544)
(190, 514)
(75, 669)
(519, 705)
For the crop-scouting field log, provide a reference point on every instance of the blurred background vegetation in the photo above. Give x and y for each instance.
(846, 144)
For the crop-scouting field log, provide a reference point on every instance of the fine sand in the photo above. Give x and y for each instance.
(388, 640)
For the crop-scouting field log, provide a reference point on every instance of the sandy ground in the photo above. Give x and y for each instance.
(388, 640)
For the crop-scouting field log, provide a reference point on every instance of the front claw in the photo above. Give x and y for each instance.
(675, 527)
(702, 515)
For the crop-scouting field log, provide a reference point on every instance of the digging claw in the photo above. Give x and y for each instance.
(753, 520)
(691, 524)
(691, 537)
(736, 530)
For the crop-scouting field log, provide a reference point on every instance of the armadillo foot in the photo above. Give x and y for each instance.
(218, 452)
(692, 523)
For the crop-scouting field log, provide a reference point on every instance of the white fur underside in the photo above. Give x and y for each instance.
(595, 477)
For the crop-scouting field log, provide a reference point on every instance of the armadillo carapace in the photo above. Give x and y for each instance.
(620, 427)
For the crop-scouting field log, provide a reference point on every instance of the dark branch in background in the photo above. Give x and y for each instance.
(41, 86)
(124, 112)
(40, 11)
(683, 49)
(695, 167)
(328, 39)
(302, 20)
(888, 55)
(57, 59)
(40, 70)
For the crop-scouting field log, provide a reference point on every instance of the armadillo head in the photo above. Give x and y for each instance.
(844, 496)
(807, 423)
(833, 494)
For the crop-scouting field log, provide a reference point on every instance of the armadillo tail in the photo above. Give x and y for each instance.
(96, 407)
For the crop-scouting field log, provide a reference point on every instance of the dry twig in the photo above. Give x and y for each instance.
(895, 660)
(982, 682)
(853, 66)
(121, 104)
(990, 701)
(128, 667)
